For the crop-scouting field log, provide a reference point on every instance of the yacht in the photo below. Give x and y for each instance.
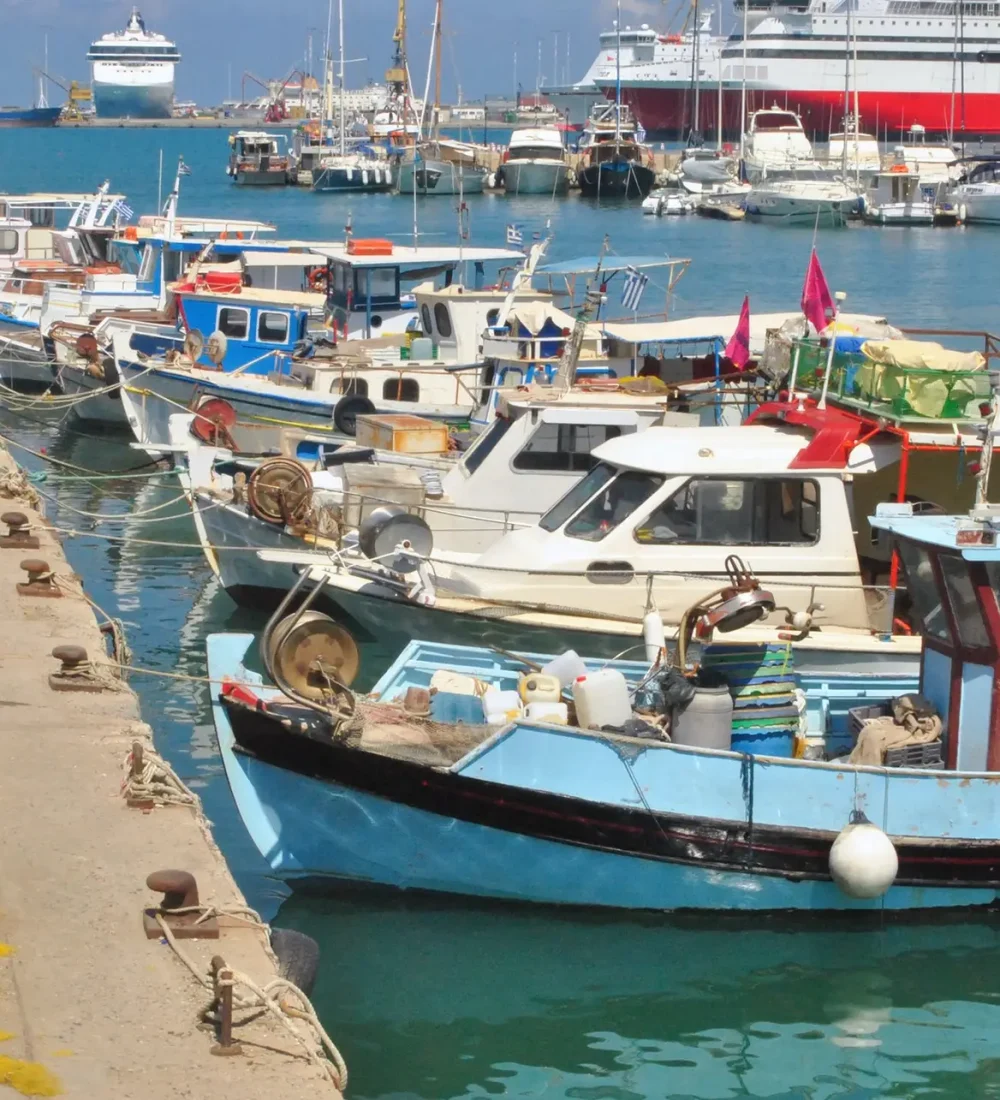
(803, 198)
(976, 195)
(133, 72)
(775, 141)
(535, 163)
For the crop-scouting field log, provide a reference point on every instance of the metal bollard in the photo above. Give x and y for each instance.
(180, 891)
(75, 671)
(39, 581)
(224, 1002)
(18, 535)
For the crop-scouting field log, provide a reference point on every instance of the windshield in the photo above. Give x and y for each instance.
(581, 492)
(485, 444)
(613, 504)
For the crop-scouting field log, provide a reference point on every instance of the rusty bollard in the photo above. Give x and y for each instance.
(138, 762)
(18, 535)
(75, 672)
(222, 976)
(180, 891)
(39, 581)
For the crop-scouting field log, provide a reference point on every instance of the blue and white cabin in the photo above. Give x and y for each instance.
(369, 282)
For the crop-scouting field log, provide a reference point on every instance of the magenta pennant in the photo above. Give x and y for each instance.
(817, 301)
(738, 349)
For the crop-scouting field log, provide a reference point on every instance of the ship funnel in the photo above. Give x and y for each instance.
(135, 21)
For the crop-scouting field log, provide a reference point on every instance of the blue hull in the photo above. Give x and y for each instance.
(117, 101)
(30, 116)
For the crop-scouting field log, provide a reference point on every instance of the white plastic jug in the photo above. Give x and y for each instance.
(556, 714)
(567, 667)
(500, 707)
(602, 699)
(539, 687)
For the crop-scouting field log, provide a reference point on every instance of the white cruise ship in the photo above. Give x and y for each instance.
(133, 72)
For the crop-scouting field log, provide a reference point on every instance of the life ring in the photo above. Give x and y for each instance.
(901, 626)
(899, 168)
(319, 279)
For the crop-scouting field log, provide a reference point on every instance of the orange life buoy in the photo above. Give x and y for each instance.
(899, 168)
(901, 626)
(318, 279)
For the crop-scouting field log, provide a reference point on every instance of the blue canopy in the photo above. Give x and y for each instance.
(584, 265)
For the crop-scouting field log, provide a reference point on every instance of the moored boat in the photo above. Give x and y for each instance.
(257, 159)
(535, 163)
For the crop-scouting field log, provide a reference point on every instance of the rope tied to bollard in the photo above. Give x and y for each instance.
(150, 779)
(270, 997)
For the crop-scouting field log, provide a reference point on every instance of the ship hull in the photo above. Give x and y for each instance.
(133, 101)
(29, 116)
(668, 111)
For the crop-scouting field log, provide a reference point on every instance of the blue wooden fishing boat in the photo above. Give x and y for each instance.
(557, 814)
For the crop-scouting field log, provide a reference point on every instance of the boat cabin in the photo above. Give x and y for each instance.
(369, 283)
(951, 566)
(544, 143)
(776, 140)
(258, 157)
(899, 196)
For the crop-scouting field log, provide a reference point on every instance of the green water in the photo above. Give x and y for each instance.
(442, 999)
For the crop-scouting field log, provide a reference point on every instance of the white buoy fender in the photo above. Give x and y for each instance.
(653, 635)
(863, 861)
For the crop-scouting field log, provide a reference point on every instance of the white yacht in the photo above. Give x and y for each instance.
(976, 196)
(775, 141)
(133, 72)
(800, 198)
(535, 163)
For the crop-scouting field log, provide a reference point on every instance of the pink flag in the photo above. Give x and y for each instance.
(817, 301)
(738, 349)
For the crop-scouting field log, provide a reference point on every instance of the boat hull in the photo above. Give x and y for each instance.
(535, 178)
(97, 408)
(260, 178)
(616, 179)
(788, 208)
(372, 180)
(440, 177)
(24, 361)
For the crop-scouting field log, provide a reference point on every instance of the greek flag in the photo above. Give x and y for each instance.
(634, 285)
(640, 133)
(514, 234)
(183, 170)
(124, 209)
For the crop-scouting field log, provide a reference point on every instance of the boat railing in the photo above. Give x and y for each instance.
(890, 390)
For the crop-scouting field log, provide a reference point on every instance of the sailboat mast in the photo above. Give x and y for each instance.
(340, 16)
(743, 83)
(618, 76)
(437, 70)
(696, 70)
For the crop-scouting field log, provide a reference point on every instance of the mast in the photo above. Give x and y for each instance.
(743, 84)
(340, 17)
(42, 101)
(437, 70)
(696, 72)
(847, 90)
(618, 77)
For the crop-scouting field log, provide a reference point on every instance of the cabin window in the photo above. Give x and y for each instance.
(341, 283)
(148, 267)
(964, 604)
(272, 328)
(923, 590)
(564, 447)
(401, 389)
(613, 504)
(173, 266)
(485, 444)
(442, 320)
(425, 318)
(354, 387)
(581, 492)
(736, 512)
(8, 241)
(234, 322)
(380, 282)
(492, 317)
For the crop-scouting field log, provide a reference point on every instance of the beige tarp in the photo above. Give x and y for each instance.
(534, 314)
(895, 371)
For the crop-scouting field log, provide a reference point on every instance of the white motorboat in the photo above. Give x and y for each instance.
(900, 197)
(976, 195)
(776, 142)
(794, 199)
(668, 201)
(535, 163)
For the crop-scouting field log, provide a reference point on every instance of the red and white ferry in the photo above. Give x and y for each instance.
(933, 63)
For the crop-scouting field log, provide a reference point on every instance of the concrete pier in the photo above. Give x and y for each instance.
(89, 1007)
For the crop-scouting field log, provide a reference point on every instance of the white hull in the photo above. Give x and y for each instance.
(536, 177)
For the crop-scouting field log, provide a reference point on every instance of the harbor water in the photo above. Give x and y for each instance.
(442, 998)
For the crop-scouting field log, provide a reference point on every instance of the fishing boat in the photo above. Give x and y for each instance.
(535, 163)
(257, 159)
(429, 787)
(654, 521)
(614, 163)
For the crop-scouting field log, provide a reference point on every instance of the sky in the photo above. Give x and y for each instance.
(220, 39)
